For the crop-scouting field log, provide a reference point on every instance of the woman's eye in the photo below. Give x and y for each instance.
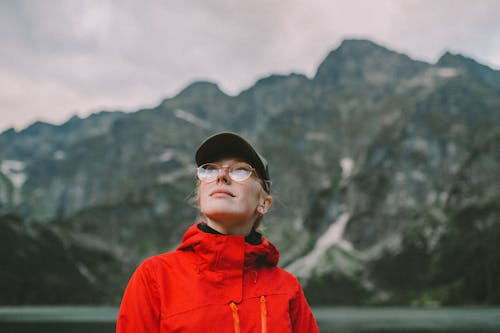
(240, 173)
(242, 170)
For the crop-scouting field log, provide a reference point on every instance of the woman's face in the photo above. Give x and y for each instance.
(231, 203)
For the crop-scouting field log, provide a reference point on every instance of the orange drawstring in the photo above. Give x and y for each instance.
(263, 313)
(236, 317)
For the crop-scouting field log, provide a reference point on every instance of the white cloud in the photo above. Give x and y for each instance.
(60, 56)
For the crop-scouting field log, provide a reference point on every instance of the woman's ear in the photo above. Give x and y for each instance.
(265, 203)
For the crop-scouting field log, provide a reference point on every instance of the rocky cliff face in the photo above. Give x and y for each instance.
(374, 154)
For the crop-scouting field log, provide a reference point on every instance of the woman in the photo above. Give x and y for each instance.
(223, 277)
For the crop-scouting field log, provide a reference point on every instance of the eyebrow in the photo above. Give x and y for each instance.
(228, 165)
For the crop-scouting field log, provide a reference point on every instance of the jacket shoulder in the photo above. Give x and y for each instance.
(286, 274)
(163, 260)
(281, 279)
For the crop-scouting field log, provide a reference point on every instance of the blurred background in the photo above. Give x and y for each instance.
(380, 120)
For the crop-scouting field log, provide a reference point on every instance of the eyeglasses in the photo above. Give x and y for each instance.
(238, 172)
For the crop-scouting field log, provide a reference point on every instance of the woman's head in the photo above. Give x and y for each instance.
(234, 184)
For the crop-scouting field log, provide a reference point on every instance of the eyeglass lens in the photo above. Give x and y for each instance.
(237, 172)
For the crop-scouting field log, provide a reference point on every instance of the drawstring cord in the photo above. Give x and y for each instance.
(236, 317)
(263, 315)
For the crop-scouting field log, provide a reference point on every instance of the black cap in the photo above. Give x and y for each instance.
(227, 144)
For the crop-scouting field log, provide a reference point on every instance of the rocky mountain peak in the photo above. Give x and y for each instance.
(463, 63)
(201, 89)
(449, 59)
(356, 61)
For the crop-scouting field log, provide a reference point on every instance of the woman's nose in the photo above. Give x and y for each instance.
(223, 176)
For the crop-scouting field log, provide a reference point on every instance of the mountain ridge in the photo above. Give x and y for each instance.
(369, 158)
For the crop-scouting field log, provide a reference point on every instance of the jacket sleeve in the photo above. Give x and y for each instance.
(140, 307)
(303, 320)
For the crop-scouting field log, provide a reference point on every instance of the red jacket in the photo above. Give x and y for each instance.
(214, 283)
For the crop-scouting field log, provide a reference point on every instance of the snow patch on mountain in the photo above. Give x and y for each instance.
(304, 266)
(191, 118)
(14, 170)
(347, 165)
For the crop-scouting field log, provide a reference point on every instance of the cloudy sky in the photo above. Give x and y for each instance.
(63, 57)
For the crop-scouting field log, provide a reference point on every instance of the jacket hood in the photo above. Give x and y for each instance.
(233, 249)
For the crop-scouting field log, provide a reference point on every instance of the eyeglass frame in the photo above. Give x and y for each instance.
(266, 184)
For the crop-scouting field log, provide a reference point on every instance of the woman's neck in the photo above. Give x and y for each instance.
(230, 229)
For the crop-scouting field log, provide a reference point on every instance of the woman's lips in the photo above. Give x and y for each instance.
(221, 193)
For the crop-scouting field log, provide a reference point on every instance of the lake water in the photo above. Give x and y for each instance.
(83, 319)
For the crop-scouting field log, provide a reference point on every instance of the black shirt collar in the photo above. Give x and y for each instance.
(253, 238)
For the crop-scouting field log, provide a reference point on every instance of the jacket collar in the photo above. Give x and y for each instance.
(254, 237)
(234, 251)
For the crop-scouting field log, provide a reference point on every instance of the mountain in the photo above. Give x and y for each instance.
(382, 167)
